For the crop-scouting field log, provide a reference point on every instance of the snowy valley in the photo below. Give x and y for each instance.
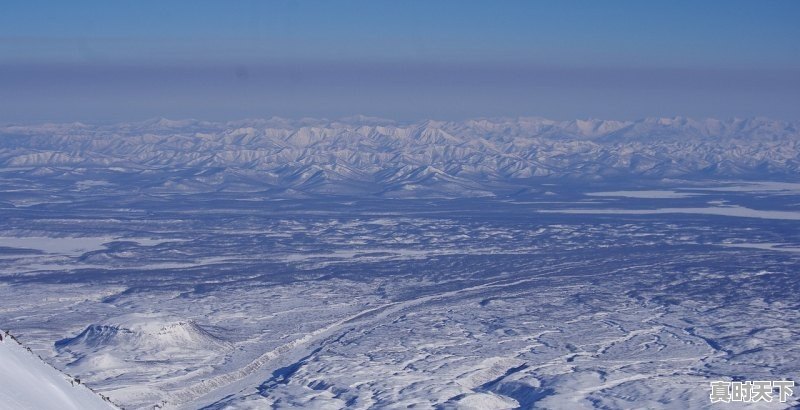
(364, 263)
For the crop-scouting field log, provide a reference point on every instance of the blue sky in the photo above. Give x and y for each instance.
(101, 61)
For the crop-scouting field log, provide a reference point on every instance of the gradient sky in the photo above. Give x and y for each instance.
(104, 61)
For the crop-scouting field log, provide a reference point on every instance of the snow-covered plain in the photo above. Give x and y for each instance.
(465, 304)
(162, 286)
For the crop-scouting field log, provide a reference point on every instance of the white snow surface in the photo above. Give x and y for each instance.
(653, 194)
(30, 383)
(733, 211)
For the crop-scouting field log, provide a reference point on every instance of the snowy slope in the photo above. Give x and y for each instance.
(26, 382)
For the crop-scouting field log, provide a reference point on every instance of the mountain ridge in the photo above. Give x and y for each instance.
(373, 156)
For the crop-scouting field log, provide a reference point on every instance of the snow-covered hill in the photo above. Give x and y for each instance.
(29, 383)
(134, 347)
(381, 157)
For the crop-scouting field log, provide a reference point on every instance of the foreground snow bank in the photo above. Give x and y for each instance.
(27, 382)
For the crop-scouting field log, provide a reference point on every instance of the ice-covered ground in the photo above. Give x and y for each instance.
(240, 301)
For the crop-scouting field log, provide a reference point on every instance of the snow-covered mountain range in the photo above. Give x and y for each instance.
(372, 156)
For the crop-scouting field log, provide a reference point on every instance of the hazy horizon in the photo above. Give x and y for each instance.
(95, 62)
